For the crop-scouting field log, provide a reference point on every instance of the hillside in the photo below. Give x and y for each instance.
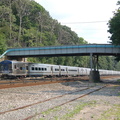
(25, 23)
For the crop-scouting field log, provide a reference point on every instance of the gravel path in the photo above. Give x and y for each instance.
(92, 107)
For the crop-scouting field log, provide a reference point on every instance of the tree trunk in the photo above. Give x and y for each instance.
(19, 34)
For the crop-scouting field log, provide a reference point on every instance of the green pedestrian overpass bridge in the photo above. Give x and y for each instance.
(71, 50)
(92, 50)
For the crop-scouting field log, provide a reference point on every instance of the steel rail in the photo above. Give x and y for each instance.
(66, 102)
(41, 101)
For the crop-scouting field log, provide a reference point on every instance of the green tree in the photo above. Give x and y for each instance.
(114, 27)
(22, 8)
(2, 43)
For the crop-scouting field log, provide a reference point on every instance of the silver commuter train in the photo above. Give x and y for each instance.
(11, 68)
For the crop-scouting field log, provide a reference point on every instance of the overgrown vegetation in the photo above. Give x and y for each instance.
(114, 28)
(111, 113)
(77, 110)
(25, 23)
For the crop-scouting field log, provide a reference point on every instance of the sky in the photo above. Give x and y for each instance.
(87, 18)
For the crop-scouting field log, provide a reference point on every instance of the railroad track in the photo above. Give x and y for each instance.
(64, 98)
(37, 80)
(31, 82)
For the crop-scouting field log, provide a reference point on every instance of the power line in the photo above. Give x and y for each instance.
(83, 22)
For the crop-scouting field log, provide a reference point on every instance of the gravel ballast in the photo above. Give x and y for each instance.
(96, 106)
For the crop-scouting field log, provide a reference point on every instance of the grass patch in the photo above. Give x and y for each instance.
(41, 119)
(111, 113)
(70, 114)
(77, 109)
(51, 110)
(56, 118)
(118, 80)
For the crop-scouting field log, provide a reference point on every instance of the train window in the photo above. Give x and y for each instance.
(15, 66)
(33, 68)
(36, 68)
(20, 68)
(45, 69)
(56, 69)
(72, 70)
(42, 69)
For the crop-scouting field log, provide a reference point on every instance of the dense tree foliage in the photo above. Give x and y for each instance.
(2, 43)
(25, 23)
(114, 27)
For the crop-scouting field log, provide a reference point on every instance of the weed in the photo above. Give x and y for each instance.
(41, 119)
(114, 112)
(56, 118)
(118, 80)
(51, 110)
(77, 109)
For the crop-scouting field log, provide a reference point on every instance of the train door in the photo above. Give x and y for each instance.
(26, 66)
(51, 70)
(15, 68)
(67, 71)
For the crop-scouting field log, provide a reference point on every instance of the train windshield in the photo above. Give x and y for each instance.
(5, 67)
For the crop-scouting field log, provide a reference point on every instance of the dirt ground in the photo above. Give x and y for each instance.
(101, 105)
(106, 103)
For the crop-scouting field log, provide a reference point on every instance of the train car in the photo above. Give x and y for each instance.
(63, 70)
(116, 72)
(55, 70)
(73, 71)
(84, 71)
(38, 69)
(101, 72)
(105, 72)
(12, 69)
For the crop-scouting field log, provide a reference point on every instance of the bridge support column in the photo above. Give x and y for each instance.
(94, 76)
(94, 73)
